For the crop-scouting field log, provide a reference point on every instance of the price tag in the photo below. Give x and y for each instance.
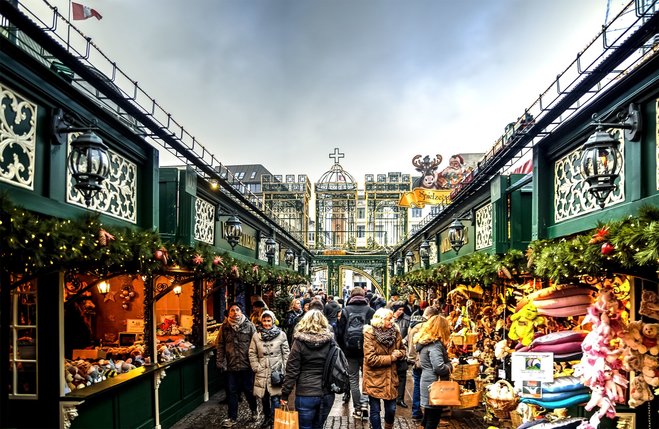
(502, 373)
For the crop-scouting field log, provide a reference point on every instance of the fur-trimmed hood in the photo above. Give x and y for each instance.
(314, 340)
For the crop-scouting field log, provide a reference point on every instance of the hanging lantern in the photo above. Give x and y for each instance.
(289, 257)
(599, 164)
(424, 253)
(103, 287)
(177, 290)
(270, 247)
(409, 257)
(456, 235)
(233, 230)
(89, 164)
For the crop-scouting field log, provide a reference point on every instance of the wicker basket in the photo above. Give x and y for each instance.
(470, 399)
(516, 419)
(501, 408)
(470, 338)
(465, 372)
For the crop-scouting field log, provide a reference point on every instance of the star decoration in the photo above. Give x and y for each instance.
(217, 260)
(198, 260)
(109, 297)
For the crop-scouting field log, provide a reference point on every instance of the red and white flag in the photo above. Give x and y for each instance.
(84, 12)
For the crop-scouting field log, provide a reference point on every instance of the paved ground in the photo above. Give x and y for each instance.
(210, 414)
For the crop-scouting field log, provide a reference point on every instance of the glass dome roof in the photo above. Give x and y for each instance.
(336, 179)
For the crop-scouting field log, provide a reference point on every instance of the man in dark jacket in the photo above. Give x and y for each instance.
(354, 316)
(331, 310)
(403, 323)
(233, 357)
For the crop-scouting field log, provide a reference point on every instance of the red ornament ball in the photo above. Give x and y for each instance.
(158, 254)
(607, 248)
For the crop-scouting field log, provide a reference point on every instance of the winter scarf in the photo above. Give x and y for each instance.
(235, 324)
(386, 337)
(269, 334)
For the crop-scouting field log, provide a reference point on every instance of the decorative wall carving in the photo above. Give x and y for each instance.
(18, 128)
(204, 225)
(118, 198)
(571, 196)
(484, 227)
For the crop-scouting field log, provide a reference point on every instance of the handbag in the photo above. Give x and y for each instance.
(285, 419)
(444, 393)
(276, 378)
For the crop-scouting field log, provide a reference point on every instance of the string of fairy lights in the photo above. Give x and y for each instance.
(629, 245)
(31, 244)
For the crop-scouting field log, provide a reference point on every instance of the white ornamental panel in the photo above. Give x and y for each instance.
(18, 128)
(204, 225)
(656, 142)
(484, 227)
(118, 196)
(571, 196)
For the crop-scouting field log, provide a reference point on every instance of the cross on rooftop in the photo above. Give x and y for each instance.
(337, 155)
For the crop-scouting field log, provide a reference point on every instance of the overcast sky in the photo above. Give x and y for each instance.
(283, 82)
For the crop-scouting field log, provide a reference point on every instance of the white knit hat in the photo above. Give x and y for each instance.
(271, 314)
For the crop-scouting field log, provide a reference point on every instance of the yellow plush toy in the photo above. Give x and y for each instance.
(524, 323)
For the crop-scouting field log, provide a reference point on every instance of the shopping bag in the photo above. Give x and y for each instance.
(444, 393)
(285, 419)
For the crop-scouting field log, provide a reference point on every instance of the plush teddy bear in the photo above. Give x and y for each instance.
(650, 333)
(639, 392)
(651, 370)
(649, 304)
(524, 323)
(632, 336)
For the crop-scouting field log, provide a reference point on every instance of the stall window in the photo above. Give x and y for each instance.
(23, 347)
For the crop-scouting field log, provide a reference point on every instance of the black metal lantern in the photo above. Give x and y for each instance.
(233, 229)
(89, 164)
(424, 253)
(599, 164)
(409, 258)
(270, 247)
(289, 257)
(456, 235)
(399, 264)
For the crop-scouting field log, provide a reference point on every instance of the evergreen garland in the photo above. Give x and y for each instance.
(629, 245)
(31, 244)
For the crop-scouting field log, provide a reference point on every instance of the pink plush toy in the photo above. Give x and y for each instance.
(601, 364)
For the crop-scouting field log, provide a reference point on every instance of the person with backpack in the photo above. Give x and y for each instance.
(383, 348)
(354, 316)
(305, 371)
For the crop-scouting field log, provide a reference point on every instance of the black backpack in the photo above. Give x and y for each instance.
(335, 372)
(354, 335)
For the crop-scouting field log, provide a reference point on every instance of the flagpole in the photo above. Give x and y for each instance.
(68, 30)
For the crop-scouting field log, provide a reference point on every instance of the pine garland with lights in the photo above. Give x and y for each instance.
(629, 245)
(33, 244)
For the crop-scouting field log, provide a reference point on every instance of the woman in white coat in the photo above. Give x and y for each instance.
(268, 353)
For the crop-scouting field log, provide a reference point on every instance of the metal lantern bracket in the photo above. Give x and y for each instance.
(630, 121)
(61, 126)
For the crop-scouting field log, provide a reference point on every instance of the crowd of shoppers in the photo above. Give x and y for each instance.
(263, 358)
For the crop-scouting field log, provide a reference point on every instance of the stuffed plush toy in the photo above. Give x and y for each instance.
(524, 323)
(649, 304)
(650, 332)
(639, 392)
(651, 370)
(632, 336)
